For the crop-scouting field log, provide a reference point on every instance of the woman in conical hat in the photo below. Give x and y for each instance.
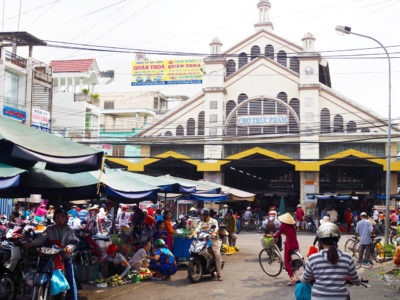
(288, 228)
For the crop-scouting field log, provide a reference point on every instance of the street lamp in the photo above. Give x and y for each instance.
(347, 30)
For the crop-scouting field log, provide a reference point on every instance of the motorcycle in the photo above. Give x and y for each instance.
(202, 261)
(44, 269)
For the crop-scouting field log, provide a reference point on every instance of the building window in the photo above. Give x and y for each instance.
(351, 127)
(230, 105)
(325, 121)
(201, 123)
(365, 129)
(255, 52)
(108, 104)
(213, 104)
(338, 124)
(180, 130)
(11, 89)
(293, 126)
(282, 109)
(190, 128)
(269, 51)
(282, 57)
(213, 118)
(168, 133)
(230, 67)
(294, 64)
(242, 59)
(244, 109)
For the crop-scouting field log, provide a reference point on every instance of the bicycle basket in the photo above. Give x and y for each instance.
(268, 242)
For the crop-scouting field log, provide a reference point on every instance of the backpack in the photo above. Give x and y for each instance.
(270, 227)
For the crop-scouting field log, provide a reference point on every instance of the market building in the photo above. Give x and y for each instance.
(267, 121)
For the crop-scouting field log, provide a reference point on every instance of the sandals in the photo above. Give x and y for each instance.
(292, 281)
(219, 278)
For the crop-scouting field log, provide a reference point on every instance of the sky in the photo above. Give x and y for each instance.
(188, 26)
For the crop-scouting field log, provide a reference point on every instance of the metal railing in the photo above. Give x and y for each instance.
(16, 60)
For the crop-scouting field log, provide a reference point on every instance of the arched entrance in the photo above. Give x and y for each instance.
(174, 167)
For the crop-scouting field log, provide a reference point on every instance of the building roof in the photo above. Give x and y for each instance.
(20, 38)
(75, 65)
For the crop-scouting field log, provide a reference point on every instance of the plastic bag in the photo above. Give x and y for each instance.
(302, 291)
(312, 250)
(58, 283)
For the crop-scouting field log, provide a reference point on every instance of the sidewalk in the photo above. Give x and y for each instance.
(387, 274)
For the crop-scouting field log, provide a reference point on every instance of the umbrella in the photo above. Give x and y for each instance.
(9, 176)
(23, 146)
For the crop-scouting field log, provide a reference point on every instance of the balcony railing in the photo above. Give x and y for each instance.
(16, 60)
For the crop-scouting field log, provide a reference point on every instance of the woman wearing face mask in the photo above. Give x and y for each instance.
(271, 225)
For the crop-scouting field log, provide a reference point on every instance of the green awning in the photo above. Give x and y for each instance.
(9, 171)
(23, 146)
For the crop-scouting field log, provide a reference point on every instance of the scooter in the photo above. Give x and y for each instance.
(310, 224)
(202, 261)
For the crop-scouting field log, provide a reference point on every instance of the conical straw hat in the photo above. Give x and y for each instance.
(287, 219)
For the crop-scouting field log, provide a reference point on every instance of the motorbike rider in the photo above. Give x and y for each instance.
(271, 225)
(215, 246)
(61, 235)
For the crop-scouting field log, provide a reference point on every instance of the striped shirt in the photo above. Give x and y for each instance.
(330, 279)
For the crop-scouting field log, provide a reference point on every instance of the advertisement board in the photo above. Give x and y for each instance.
(166, 72)
(41, 119)
(14, 113)
(262, 120)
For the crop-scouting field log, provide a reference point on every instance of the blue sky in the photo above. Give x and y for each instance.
(189, 26)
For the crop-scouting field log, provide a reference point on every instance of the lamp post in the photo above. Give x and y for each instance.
(347, 30)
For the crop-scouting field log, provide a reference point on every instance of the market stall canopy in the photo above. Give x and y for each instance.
(208, 197)
(233, 194)
(55, 185)
(9, 176)
(165, 185)
(121, 186)
(191, 186)
(23, 146)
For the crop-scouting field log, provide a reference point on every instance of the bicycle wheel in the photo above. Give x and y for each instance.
(348, 246)
(355, 250)
(270, 261)
(378, 252)
(297, 264)
(8, 287)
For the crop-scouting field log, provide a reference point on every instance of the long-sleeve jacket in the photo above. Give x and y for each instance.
(65, 235)
(291, 238)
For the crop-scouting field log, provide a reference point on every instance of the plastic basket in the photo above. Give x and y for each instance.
(268, 242)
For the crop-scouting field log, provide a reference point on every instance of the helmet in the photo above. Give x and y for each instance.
(159, 243)
(328, 230)
(112, 249)
(59, 211)
(124, 207)
(205, 212)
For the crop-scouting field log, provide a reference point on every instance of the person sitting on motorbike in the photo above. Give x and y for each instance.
(247, 214)
(230, 223)
(288, 228)
(116, 262)
(61, 235)
(163, 261)
(211, 223)
(330, 266)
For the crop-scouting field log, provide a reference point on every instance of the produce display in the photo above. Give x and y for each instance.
(226, 249)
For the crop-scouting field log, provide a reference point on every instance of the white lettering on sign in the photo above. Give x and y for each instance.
(262, 120)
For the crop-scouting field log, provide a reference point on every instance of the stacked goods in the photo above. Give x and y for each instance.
(114, 280)
(389, 250)
(145, 273)
(225, 249)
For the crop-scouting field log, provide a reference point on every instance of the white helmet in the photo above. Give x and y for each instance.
(328, 230)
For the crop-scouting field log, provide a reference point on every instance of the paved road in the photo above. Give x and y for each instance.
(243, 279)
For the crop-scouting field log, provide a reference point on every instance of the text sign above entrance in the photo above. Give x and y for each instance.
(262, 120)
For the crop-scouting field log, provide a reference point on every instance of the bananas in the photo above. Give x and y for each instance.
(226, 249)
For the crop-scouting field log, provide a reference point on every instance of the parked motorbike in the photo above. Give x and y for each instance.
(202, 261)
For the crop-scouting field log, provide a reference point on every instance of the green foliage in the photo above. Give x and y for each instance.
(85, 91)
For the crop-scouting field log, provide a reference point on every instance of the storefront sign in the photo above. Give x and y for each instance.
(162, 72)
(262, 120)
(41, 119)
(14, 113)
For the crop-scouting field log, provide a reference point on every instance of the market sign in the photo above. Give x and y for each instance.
(41, 119)
(14, 113)
(262, 120)
(166, 72)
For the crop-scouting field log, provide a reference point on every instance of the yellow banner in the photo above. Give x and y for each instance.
(163, 72)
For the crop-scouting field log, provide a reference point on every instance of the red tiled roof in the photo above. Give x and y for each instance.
(76, 65)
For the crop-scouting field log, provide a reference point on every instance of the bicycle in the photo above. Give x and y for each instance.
(377, 251)
(271, 261)
(349, 245)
